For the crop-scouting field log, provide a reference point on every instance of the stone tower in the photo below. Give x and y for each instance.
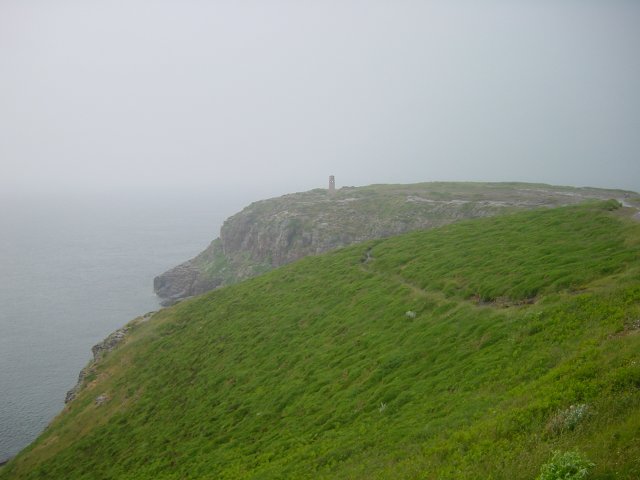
(332, 184)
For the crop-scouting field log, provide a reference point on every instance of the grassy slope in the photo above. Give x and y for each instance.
(315, 371)
(313, 221)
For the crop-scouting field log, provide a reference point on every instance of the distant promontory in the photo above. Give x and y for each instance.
(277, 231)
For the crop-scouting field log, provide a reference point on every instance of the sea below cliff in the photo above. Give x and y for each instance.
(73, 269)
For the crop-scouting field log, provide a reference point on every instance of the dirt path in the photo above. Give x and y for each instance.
(635, 216)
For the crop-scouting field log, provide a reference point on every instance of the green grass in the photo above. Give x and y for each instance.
(314, 370)
(277, 231)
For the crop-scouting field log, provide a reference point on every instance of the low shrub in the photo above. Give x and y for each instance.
(565, 466)
(567, 420)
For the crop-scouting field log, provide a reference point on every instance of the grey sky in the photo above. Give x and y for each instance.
(132, 93)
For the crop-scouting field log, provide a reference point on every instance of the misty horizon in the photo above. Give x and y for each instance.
(273, 98)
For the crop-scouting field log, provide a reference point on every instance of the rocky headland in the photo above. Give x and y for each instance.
(277, 231)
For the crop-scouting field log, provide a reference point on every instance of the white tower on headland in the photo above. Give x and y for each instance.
(332, 184)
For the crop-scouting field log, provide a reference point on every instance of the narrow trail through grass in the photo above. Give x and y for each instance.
(315, 370)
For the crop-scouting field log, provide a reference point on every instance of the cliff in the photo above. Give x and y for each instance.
(277, 231)
(99, 350)
(471, 351)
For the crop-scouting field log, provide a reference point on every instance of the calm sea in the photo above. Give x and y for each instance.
(72, 270)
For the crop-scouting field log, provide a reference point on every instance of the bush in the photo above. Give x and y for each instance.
(568, 419)
(565, 466)
(612, 205)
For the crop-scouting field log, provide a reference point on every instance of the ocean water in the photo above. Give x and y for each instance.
(72, 270)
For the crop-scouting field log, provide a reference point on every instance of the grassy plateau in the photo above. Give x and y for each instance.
(470, 351)
(274, 232)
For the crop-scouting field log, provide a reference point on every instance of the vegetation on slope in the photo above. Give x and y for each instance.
(470, 351)
(277, 231)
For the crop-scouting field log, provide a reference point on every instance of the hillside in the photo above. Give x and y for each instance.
(277, 231)
(470, 351)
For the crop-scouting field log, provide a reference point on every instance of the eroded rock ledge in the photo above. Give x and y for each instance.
(100, 350)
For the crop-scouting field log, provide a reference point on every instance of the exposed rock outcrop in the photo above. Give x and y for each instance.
(273, 232)
(100, 350)
(73, 393)
(185, 280)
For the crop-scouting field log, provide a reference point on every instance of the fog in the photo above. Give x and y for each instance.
(276, 95)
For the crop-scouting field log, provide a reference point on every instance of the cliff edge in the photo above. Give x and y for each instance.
(277, 231)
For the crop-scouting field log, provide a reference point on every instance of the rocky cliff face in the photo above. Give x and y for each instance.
(99, 350)
(277, 231)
